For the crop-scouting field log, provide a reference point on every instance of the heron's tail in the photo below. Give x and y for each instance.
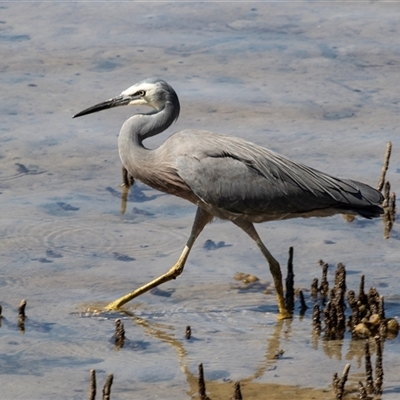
(366, 202)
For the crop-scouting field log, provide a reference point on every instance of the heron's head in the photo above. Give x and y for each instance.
(152, 92)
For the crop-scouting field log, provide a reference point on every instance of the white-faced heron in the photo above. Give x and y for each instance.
(225, 177)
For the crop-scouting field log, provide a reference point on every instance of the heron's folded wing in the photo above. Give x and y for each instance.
(244, 178)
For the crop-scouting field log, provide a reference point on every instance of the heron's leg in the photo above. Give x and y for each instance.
(201, 220)
(127, 183)
(274, 266)
(127, 179)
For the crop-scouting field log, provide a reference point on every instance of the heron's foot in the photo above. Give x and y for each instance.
(115, 305)
(173, 273)
(284, 314)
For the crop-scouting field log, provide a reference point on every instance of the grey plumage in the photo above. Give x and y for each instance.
(226, 177)
(254, 183)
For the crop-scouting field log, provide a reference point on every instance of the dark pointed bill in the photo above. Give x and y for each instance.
(115, 102)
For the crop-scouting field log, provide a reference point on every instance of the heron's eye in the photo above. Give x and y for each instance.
(141, 93)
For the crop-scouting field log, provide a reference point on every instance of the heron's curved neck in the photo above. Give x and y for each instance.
(133, 154)
(142, 126)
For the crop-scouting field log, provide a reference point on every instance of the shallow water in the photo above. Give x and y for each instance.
(316, 82)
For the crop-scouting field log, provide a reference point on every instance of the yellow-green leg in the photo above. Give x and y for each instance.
(274, 267)
(201, 220)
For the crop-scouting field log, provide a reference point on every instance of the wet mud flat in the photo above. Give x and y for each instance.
(315, 82)
(271, 352)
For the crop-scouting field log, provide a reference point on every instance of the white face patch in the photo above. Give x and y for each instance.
(147, 87)
(148, 99)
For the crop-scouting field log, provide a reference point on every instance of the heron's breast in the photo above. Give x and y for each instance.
(168, 181)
